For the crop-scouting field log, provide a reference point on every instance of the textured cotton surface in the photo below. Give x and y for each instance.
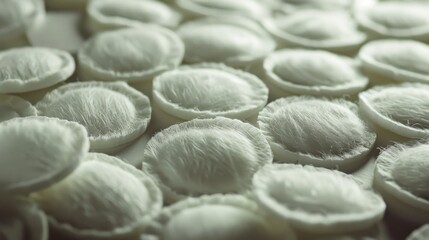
(206, 156)
(318, 127)
(38, 151)
(13, 107)
(96, 196)
(316, 199)
(399, 15)
(209, 90)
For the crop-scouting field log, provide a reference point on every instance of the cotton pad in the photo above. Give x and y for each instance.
(106, 15)
(206, 91)
(113, 113)
(234, 41)
(241, 219)
(401, 176)
(13, 107)
(392, 61)
(103, 198)
(205, 156)
(317, 131)
(328, 30)
(312, 72)
(290, 6)
(399, 112)
(38, 152)
(32, 68)
(317, 200)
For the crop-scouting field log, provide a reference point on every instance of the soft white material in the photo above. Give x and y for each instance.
(110, 14)
(12, 107)
(229, 217)
(397, 60)
(209, 90)
(422, 233)
(132, 54)
(313, 72)
(320, 132)
(22, 220)
(103, 198)
(401, 19)
(16, 19)
(317, 199)
(220, 8)
(234, 41)
(402, 109)
(290, 6)
(32, 68)
(38, 151)
(329, 30)
(205, 156)
(113, 113)
(401, 173)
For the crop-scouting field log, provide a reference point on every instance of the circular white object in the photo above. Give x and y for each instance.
(205, 156)
(209, 90)
(402, 173)
(37, 152)
(132, 54)
(103, 198)
(22, 220)
(316, 73)
(234, 41)
(13, 107)
(220, 8)
(396, 19)
(113, 113)
(316, 199)
(402, 109)
(106, 15)
(319, 132)
(422, 233)
(397, 60)
(33, 68)
(327, 30)
(241, 220)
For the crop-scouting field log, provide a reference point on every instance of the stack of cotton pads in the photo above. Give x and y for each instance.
(215, 119)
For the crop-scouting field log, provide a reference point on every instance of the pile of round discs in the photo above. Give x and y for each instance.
(216, 120)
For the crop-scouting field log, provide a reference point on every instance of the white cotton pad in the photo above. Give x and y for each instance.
(205, 156)
(226, 217)
(328, 30)
(399, 112)
(209, 90)
(37, 152)
(22, 220)
(234, 41)
(401, 176)
(17, 18)
(317, 131)
(290, 6)
(395, 19)
(422, 233)
(113, 113)
(33, 68)
(312, 72)
(131, 54)
(396, 61)
(103, 198)
(317, 200)
(220, 8)
(106, 15)
(13, 107)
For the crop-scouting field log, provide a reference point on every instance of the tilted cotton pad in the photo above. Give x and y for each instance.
(32, 68)
(241, 220)
(317, 200)
(401, 176)
(113, 113)
(103, 198)
(317, 131)
(205, 156)
(37, 152)
(13, 107)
